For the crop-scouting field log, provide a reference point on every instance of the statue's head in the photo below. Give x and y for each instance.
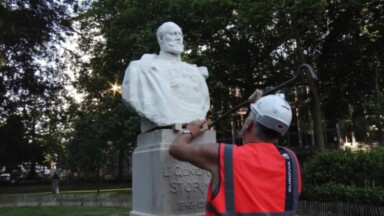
(170, 38)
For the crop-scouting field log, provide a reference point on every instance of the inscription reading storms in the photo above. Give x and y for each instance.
(186, 178)
(189, 184)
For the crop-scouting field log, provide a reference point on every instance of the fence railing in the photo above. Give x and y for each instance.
(306, 208)
(65, 200)
(313, 208)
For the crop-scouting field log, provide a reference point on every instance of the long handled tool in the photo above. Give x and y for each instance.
(311, 74)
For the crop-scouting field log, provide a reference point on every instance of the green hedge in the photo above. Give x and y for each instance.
(345, 167)
(332, 192)
(345, 176)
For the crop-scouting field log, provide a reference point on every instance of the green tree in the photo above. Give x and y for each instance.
(14, 146)
(242, 51)
(29, 31)
(351, 62)
(101, 125)
(248, 45)
(31, 73)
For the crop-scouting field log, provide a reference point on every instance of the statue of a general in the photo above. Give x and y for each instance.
(161, 88)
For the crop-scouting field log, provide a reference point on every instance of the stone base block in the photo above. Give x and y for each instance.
(163, 185)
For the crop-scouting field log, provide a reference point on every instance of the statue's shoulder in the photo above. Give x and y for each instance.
(148, 57)
(201, 69)
(144, 62)
(186, 64)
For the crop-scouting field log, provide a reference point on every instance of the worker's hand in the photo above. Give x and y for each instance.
(255, 96)
(196, 127)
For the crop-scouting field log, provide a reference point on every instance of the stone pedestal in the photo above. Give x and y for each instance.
(163, 185)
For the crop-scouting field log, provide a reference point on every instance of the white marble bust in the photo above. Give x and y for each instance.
(161, 88)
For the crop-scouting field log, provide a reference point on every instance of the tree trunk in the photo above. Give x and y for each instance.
(120, 165)
(317, 120)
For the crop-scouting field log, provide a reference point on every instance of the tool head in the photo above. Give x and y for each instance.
(311, 73)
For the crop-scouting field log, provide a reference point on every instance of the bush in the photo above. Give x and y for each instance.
(359, 168)
(345, 176)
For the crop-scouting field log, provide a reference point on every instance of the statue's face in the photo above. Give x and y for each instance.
(172, 40)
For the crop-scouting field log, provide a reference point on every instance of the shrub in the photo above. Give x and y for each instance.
(359, 168)
(345, 176)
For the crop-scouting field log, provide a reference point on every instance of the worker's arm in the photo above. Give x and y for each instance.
(204, 156)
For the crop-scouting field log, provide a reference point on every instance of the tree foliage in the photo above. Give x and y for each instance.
(31, 75)
(14, 146)
(100, 126)
(351, 64)
(248, 45)
(29, 30)
(245, 45)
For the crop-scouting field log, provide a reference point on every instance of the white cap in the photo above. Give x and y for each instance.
(273, 112)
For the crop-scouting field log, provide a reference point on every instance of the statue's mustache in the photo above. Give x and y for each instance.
(176, 43)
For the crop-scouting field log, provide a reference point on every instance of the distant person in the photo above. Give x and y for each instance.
(164, 90)
(257, 178)
(55, 183)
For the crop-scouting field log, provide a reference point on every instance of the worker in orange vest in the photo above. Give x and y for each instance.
(257, 178)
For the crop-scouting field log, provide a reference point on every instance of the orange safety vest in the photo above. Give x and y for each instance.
(255, 180)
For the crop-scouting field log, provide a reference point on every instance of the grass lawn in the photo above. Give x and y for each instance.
(118, 197)
(63, 211)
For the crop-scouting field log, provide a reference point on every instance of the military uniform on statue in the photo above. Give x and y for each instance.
(163, 89)
(166, 91)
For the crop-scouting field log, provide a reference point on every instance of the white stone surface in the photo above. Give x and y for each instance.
(163, 89)
(163, 185)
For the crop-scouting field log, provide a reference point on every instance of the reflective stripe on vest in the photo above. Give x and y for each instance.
(292, 181)
(292, 186)
(229, 181)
